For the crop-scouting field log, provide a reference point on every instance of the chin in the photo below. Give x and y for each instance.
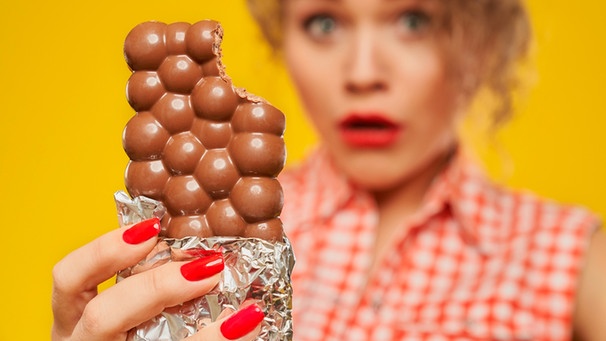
(374, 178)
(368, 169)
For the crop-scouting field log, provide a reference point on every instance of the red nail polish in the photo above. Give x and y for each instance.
(142, 231)
(242, 322)
(203, 267)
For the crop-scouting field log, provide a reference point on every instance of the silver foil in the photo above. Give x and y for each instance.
(254, 270)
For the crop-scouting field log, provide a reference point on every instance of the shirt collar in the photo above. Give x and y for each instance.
(465, 190)
(462, 187)
(332, 187)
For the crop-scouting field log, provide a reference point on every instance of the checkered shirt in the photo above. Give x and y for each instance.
(478, 262)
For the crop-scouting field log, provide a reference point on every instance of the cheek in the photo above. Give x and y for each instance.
(430, 87)
(298, 68)
(427, 78)
(313, 84)
(301, 74)
(430, 92)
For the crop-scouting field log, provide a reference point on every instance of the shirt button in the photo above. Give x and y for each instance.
(376, 303)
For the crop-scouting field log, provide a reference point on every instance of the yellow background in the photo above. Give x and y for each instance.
(63, 107)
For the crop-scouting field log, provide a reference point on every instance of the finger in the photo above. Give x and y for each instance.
(76, 277)
(140, 297)
(243, 325)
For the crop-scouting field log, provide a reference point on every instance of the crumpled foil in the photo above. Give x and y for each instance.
(254, 270)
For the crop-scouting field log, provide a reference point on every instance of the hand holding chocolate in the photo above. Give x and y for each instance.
(209, 151)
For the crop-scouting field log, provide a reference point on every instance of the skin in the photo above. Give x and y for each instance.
(591, 298)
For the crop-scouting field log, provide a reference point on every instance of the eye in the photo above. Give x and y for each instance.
(320, 25)
(414, 21)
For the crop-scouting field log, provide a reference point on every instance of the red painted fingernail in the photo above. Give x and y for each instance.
(142, 231)
(203, 268)
(242, 322)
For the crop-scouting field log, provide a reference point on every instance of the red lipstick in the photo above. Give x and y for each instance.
(369, 130)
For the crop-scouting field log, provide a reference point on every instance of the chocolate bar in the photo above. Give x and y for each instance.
(210, 152)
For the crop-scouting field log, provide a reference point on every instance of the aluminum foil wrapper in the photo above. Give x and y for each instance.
(254, 270)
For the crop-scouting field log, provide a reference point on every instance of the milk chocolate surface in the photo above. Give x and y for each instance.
(209, 151)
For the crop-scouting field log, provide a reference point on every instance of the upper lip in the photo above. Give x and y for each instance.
(370, 120)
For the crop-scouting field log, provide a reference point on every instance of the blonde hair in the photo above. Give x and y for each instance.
(484, 41)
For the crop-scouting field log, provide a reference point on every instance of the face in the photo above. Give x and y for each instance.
(375, 83)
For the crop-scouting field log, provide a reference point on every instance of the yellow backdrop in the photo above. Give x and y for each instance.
(63, 107)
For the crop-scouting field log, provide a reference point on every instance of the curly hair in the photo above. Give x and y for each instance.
(483, 39)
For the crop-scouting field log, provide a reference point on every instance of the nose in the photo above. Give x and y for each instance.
(364, 70)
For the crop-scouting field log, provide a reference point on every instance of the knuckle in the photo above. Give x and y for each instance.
(161, 284)
(155, 283)
(60, 275)
(97, 251)
(91, 319)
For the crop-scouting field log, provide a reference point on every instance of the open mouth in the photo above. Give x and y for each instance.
(369, 131)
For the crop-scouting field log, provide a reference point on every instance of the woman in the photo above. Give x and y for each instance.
(397, 235)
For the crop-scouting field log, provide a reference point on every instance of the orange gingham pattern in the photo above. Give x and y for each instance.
(479, 262)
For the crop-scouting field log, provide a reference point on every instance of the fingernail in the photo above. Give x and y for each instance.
(142, 231)
(242, 322)
(203, 268)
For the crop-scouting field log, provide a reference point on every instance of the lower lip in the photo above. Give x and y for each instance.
(370, 138)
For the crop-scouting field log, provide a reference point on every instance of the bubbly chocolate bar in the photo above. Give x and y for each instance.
(210, 152)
